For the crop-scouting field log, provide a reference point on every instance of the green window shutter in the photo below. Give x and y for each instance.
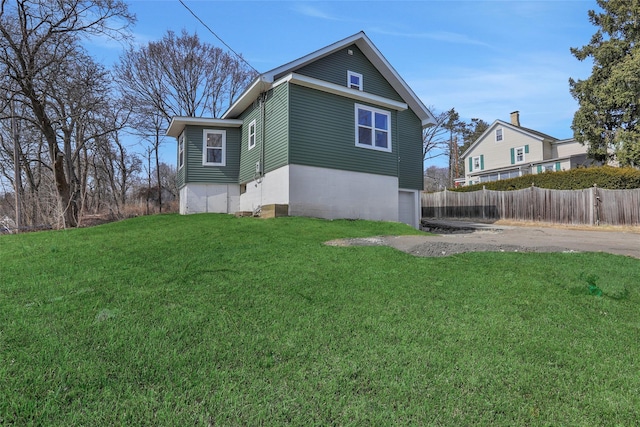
(539, 168)
(513, 156)
(558, 166)
(470, 164)
(481, 162)
(526, 149)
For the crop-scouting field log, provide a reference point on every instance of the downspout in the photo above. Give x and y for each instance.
(259, 173)
(397, 138)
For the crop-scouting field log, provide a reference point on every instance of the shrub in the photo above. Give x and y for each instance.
(607, 177)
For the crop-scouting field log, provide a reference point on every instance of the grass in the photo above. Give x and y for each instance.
(215, 320)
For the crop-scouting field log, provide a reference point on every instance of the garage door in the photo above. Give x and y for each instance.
(407, 208)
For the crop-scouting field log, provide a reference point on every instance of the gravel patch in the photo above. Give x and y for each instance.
(423, 246)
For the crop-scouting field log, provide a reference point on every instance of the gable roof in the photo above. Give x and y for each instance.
(267, 80)
(530, 132)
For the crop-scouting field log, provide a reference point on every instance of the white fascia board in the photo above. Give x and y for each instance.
(259, 85)
(377, 59)
(335, 89)
(492, 128)
(473, 145)
(300, 62)
(384, 67)
(179, 122)
(564, 141)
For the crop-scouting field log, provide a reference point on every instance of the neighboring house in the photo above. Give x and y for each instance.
(334, 134)
(508, 150)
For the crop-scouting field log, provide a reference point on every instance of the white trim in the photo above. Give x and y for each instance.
(205, 148)
(360, 85)
(181, 151)
(263, 82)
(335, 89)
(250, 134)
(515, 155)
(504, 125)
(473, 162)
(179, 122)
(373, 112)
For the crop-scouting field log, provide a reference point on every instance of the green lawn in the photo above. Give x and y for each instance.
(215, 320)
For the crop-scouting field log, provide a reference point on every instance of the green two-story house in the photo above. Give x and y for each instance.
(334, 134)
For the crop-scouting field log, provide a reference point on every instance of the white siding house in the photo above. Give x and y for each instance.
(508, 150)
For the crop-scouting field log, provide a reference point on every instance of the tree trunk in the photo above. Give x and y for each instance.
(158, 171)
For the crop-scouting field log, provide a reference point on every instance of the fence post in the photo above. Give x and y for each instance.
(484, 200)
(443, 209)
(596, 202)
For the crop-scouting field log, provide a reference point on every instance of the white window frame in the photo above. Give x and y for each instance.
(251, 134)
(205, 132)
(373, 112)
(358, 86)
(499, 135)
(181, 151)
(476, 163)
(515, 154)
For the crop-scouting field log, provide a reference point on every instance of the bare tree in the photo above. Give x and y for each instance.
(177, 76)
(39, 46)
(436, 179)
(436, 137)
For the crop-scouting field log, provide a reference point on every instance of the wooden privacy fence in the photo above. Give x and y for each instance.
(592, 206)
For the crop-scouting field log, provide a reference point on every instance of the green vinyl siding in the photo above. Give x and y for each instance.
(273, 133)
(277, 128)
(322, 134)
(409, 131)
(194, 171)
(333, 68)
(250, 157)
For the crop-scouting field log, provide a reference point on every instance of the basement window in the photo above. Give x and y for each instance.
(214, 147)
(373, 128)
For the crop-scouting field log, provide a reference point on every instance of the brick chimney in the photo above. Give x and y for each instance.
(515, 118)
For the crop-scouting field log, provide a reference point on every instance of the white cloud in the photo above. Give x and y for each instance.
(536, 85)
(313, 12)
(442, 36)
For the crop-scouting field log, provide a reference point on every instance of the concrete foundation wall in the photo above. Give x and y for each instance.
(209, 198)
(332, 194)
(273, 188)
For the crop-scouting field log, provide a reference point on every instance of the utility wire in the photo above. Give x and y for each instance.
(218, 37)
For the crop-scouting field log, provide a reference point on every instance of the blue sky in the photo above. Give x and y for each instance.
(483, 58)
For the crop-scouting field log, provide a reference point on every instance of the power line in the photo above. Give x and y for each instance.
(218, 37)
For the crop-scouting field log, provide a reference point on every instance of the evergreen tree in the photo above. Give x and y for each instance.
(609, 105)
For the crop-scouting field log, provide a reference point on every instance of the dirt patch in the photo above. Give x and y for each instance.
(506, 239)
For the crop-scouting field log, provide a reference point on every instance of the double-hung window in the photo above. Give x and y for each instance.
(214, 147)
(354, 80)
(252, 134)
(373, 128)
(498, 135)
(518, 154)
(181, 151)
(476, 163)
